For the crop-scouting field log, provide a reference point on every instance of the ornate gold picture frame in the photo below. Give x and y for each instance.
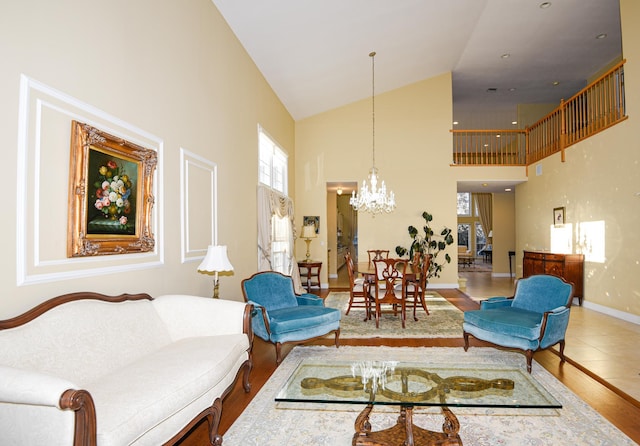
(110, 194)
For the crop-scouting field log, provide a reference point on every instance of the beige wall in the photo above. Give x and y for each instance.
(413, 153)
(171, 69)
(598, 182)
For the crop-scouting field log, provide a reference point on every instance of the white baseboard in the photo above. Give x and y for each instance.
(634, 319)
(502, 275)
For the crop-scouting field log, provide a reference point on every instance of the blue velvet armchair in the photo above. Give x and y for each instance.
(281, 316)
(534, 319)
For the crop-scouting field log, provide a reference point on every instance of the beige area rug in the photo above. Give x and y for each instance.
(444, 320)
(265, 422)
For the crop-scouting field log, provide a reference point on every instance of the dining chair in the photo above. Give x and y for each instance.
(416, 283)
(358, 290)
(377, 254)
(388, 288)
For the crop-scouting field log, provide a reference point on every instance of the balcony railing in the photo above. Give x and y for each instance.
(595, 108)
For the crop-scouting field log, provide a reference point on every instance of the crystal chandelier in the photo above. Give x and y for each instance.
(371, 198)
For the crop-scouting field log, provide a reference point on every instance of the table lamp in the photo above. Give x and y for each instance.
(308, 232)
(214, 262)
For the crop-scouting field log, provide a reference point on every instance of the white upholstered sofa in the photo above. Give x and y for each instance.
(88, 369)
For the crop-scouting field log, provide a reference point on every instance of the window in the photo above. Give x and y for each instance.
(481, 240)
(275, 233)
(464, 233)
(280, 250)
(272, 169)
(464, 204)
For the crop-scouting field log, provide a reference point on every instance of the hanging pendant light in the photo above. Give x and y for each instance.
(371, 198)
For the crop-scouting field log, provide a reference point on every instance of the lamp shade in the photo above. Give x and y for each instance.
(216, 260)
(309, 231)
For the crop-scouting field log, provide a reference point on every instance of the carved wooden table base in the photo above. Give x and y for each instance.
(405, 432)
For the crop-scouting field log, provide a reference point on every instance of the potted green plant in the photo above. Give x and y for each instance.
(429, 244)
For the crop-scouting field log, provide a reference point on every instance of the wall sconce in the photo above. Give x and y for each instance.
(214, 262)
(308, 233)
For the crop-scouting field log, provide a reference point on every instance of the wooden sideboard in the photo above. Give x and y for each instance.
(568, 266)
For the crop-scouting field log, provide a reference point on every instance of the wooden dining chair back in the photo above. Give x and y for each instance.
(377, 254)
(389, 289)
(416, 286)
(358, 292)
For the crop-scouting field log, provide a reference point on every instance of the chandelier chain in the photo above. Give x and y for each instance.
(373, 104)
(373, 198)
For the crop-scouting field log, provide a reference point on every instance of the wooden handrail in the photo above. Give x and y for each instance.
(598, 106)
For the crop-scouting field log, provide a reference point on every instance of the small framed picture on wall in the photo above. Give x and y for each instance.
(312, 220)
(558, 216)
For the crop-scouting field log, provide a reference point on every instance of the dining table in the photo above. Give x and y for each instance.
(368, 272)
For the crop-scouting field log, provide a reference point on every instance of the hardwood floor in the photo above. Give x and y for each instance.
(617, 407)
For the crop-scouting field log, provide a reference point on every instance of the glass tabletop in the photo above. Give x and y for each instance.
(415, 384)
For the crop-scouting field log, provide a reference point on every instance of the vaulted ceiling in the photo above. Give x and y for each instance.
(314, 53)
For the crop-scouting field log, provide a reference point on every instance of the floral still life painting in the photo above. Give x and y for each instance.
(112, 203)
(110, 194)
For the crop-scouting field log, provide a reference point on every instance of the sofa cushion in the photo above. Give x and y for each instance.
(134, 399)
(507, 321)
(94, 337)
(301, 318)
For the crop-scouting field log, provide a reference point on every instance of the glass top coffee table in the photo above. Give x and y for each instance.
(409, 385)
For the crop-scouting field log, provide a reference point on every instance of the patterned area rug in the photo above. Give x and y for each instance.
(266, 423)
(444, 320)
(478, 266)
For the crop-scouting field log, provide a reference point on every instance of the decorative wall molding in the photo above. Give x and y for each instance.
(198, 205)
(44, 131)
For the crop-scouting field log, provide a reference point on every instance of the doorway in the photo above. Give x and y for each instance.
(342, 227)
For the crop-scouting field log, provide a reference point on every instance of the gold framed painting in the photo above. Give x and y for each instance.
(110, 194)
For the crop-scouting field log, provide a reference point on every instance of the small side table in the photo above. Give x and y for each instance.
(310, 273)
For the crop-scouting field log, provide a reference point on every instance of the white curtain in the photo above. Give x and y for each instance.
(272, 203)
(484, 204)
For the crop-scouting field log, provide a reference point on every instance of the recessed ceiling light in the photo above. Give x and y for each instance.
(545, 5)
(601, 36)
(508, 189)
(514, 122)
(555, 83)
(512, 89)
(506, 56)
(484, 184)
(455, 122)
